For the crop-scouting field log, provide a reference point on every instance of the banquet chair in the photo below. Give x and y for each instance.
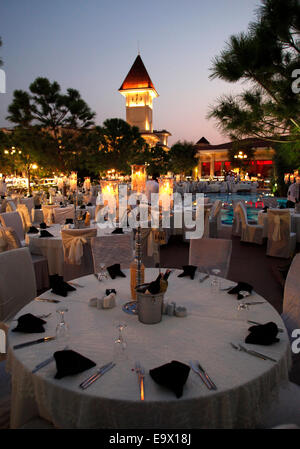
(13, 220)
(237, 222)
(206, 230)
(285, 410)
(29, 203)
(25, 216)
(11, 206)
(281, 241)
(17, 283)
(62, 213)
(48, 213)
(109, 250)
(249, 233)
(78, 259)
(291, 297)
(209, 253)
(215, 219)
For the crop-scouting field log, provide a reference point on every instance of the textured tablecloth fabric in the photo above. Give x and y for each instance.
(246, 384)
(52, 247)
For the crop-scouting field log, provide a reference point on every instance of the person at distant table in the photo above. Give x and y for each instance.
(152, 186)
(3, 188)
(293, 195)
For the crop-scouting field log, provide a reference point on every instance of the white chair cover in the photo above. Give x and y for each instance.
(25, 216)
(17, 282)
(29, 202)
(10, 206)
(118, 248)
(281, 242)
(13, 220)
(48, 213)
(249, 233)
(62, 213)
(78, 260)
(208, 254)
(215, 219)
(291, 298)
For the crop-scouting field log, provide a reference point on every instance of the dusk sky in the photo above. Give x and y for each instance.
(90, 45)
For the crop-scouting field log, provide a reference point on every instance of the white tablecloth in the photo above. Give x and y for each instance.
(245, 383)
(295, 223)
(52, 247)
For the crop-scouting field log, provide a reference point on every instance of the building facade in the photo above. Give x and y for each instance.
(214, 160)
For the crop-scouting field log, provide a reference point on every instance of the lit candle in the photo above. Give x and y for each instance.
(87, 184)
(165, 192)
(138, 178)
(109, 190)
(73, 181)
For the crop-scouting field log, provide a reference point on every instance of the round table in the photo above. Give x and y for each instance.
(52, 247)
(245, 383)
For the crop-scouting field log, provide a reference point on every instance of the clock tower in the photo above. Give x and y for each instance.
(139, 92)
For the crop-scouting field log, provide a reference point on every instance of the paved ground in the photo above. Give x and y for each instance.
(249, 263)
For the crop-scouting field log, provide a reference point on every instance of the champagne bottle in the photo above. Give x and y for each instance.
(133, 270)
(164, 281)
(154, 287)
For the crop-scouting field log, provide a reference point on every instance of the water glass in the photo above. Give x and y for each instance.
(120, 344)
(215, 280)
(62, 328)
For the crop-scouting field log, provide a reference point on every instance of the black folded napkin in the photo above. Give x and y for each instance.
(2, 197)
(44, 233)
(89, 204)
(29, 324)
(59, 286)
(118, 231)
(188, 270)
(241, 287)
(172, 376)
(43, 225)
(38, 206)
(82, 206)
(32, 230)
(265, 209)
(108, 291)
(263, 334)
(69, 362)
(115, 271)
(69, 221)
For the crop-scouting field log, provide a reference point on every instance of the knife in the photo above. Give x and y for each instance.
(90, 380)
(253, 303)
(34, 342)
(204, 380)
(47, 300)
(207, 377)
(259, 354)
(45, 363)
(42, 364)
(141, 374)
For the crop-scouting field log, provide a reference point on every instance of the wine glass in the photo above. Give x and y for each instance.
(120, 344)
(215, 280)
(62, 328)
(242, 311)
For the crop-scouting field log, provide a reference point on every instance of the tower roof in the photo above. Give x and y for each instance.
(137, 77)
(203, 141)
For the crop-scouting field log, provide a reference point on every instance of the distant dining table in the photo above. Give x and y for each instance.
(295, 222)
(52, 247)
(246, 384)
